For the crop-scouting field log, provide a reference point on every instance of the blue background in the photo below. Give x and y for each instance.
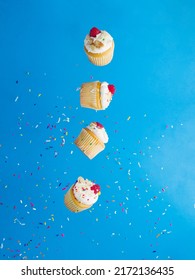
(147, 205)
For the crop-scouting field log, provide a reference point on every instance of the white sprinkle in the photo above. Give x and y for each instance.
(58, 120)
(16, 220)
(16, 99)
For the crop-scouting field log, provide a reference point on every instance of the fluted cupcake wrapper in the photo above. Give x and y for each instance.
(89, 144)
(73, 204)
(90, 95)
(101, 59)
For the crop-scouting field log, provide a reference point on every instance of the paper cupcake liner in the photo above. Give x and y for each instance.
(89, 144)
(73, 204)
(90, 95)
(101, 59)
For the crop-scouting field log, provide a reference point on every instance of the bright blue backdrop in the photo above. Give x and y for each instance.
(147, 205)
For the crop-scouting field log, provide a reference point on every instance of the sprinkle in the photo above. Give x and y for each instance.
(16, 99)
(16, 220)
(59, 120)
(128, 118)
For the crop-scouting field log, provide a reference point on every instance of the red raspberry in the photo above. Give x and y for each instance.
(94, 32)
(95, 188)
(111, 88)
(99, 125)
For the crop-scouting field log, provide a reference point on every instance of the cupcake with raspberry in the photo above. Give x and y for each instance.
(96, 95)
(99, 47)
(92, 139)
(82, 195)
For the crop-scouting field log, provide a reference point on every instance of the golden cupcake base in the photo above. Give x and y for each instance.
(89, 144)
(101, 59)
(90, 95)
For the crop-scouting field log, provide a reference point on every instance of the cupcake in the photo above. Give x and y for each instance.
(91, 140)
(99, 47)
(82, 195)
(96, 95)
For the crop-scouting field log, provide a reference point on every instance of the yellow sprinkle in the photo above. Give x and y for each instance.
(39, 94)
(66, 133)
(157, 235)
(128, 118)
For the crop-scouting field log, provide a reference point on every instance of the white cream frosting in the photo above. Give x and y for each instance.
(83, 193)
(104, 38)
(105, 95)
(100, 132)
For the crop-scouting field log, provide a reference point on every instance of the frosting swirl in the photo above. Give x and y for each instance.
(105, 95)
(101, 43)
(99, 131)
(85, 191)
